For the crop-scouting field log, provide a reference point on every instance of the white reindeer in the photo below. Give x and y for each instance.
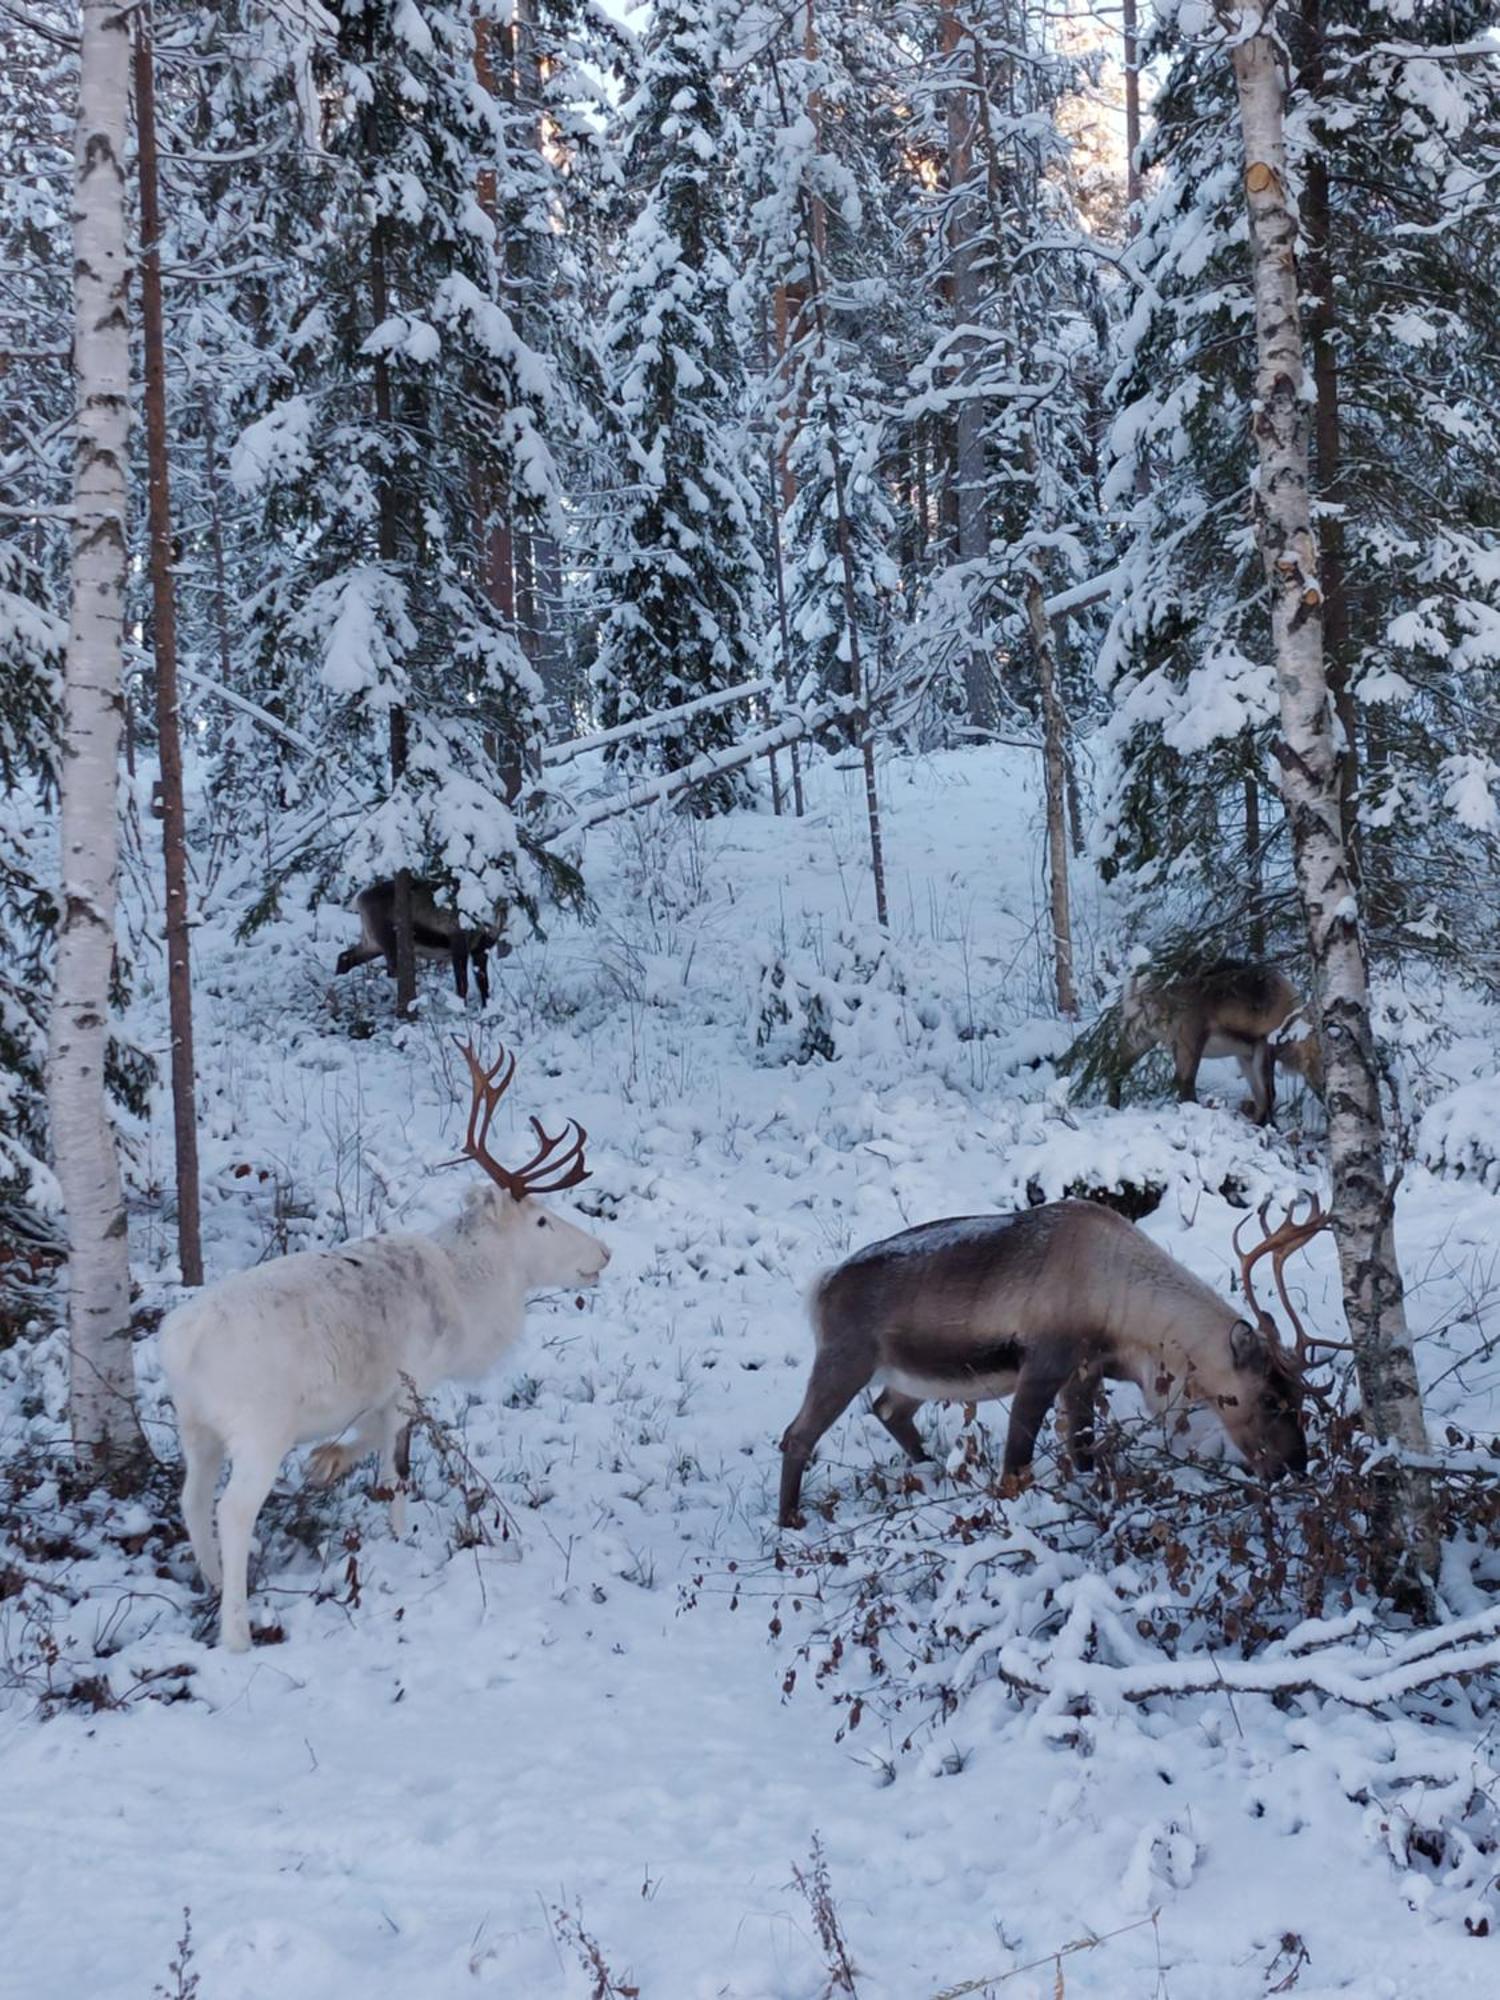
(304, 1347)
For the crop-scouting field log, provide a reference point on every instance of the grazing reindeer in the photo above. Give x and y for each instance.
(1053, 1299)
(1234, 1008)
(304, 1347)
(436, 932)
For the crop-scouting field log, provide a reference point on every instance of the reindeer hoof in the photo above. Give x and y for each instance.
(328, 1463)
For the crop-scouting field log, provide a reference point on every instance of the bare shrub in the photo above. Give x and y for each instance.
(817, 1891)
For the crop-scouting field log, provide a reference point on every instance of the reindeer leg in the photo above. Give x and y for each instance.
(481, 957)
(839, 1372)
(1080, 1400)
(1042, 1375)
(895, 1411)
(1187, 1053)
(395, 1463)
(1263, 1082)
(328, 1463)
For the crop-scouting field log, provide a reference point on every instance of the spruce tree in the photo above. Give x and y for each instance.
(407, 373)
(680, 577)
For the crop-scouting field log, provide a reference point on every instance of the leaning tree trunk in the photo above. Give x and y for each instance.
(101, 1363)
(164, 647)
(1310, 788)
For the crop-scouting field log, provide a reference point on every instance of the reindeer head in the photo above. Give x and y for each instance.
(1269, 1419)
(546, 1250)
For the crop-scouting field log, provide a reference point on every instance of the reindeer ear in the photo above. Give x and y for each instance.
(1247, 1348)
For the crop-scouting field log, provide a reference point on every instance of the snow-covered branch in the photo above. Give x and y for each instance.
(653, 724)
(655, 790)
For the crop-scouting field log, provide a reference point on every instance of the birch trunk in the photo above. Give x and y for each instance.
(164, 647)
(1055, 783)
(1310, 788)
(1322, 328)
(101, 1362)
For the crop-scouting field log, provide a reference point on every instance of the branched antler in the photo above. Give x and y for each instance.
(1279, 1244)
(558, 1161)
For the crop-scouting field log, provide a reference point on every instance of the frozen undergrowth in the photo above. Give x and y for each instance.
(514, 1714)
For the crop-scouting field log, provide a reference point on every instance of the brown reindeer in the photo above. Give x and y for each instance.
(1233, 1008)
(437, 932)
(1053, 1300)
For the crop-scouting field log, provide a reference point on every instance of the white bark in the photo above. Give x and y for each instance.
(1055, 777)
(102, 1365)
(1309, 782)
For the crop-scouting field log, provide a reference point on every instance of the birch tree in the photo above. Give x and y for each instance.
(102, 1372)
(1309, 776)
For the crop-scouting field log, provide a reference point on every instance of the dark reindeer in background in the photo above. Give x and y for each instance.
(1236, 1007)
(437, 932)
(1051, 1301)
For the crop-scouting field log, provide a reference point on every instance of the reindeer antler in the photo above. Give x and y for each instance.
(547, 1171)
(1280, 1243)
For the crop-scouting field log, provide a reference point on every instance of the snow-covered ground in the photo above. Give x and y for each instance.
(562, 1694)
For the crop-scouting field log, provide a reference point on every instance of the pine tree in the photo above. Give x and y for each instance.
(680, 577)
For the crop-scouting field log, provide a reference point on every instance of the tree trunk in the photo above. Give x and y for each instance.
(1254, 871)
(1055, 781)
(1133, 190)
(101, 1362)
(971, 533)
(860, 716)
(1309, 780)
(1322, 323)
(783, 491)
(164, 647)
(388, 541)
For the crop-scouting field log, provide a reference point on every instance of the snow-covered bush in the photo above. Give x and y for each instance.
(1162, 1583)
(1460, 1134)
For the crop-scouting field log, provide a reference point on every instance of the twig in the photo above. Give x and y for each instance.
(1090, 1943)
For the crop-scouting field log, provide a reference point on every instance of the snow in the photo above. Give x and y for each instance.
(561, 1692)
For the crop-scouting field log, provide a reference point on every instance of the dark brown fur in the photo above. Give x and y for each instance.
(1051, 1301)
(1235, 1008)
(437, 932)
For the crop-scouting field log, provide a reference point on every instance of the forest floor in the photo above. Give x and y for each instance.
(562, 1710)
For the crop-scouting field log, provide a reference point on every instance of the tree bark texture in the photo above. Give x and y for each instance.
(101, 1362)
(164, 646)
(388, 540)
(1129, 25)
(1322, 328)
(965, 210)
(1055, 784)
(1309, 780)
